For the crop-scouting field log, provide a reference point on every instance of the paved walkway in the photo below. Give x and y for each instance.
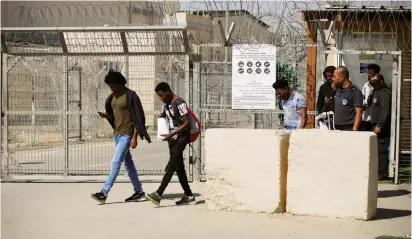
(65, 210)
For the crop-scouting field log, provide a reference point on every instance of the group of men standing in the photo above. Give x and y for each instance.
(356, 110)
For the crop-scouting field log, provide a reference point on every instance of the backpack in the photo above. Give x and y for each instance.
(194, 124)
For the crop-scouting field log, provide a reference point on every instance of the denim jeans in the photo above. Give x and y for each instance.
(287, 127)
(122, 154)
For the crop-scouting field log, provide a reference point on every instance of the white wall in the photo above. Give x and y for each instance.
(376, 42)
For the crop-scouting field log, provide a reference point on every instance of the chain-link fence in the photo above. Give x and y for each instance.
(214, 90)
(51, 102)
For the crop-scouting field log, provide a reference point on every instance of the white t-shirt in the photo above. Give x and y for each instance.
(367, 88)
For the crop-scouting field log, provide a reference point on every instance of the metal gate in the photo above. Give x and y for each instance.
(51, 94)
(212, 99)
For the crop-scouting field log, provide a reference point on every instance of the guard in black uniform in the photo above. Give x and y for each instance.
(380, 105)
(348, 102)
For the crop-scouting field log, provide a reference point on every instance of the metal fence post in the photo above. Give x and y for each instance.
(3, 83)
(65, 115)
(398, 111)
(188, 97)
(392, 144)
(196, 108)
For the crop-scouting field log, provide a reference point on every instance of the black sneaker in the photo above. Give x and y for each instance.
(154, 198)
(100, 197)
(186, 200)
(137, 197)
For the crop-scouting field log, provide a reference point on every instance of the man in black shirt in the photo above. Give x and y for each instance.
(326, 92)
(176, 111)
(380, 105)
(348, 102)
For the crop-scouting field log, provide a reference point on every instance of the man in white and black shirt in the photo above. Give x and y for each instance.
(176, 111)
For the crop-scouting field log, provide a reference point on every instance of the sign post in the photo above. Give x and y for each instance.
(253, 73)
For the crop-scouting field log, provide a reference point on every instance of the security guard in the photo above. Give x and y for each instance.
(348, 102)
(380, 105)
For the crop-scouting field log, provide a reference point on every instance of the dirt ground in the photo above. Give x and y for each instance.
(66, 210)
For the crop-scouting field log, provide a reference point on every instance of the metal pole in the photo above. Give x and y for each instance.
(188, 153)
(398, 110)
(4, 69)
(1, 116)
(65, 81)
(197, 172)
(80, 106)
(395, 82)
(33, 110)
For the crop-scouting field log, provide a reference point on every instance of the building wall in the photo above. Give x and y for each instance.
(78, 13)
(376, 42)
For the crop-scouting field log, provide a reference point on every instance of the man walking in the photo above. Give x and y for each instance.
(348, 102)
(381, 120)
(367, 89)
(125, 114)
(176, 112)
(293, 104)
(326, 94)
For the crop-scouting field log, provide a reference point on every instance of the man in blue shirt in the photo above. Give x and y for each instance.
(293, 104)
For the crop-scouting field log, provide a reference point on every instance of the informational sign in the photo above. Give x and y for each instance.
(253, 74)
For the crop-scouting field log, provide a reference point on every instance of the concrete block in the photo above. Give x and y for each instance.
(244, 170)
(332, 174)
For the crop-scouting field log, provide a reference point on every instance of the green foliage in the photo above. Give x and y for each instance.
(287, 72)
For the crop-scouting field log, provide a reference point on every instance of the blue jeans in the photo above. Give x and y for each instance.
(122, 154)
(287, 127)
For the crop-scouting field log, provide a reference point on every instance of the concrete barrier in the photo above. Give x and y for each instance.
(246, 170)
(333, 174)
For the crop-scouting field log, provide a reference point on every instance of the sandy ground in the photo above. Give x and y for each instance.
(65, 210)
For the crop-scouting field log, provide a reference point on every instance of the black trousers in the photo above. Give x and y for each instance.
(176, 164)
(384, 138)
(366, 126)
(344, 127)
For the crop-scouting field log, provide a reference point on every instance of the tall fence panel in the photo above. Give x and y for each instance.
(52, 100)
(215, 98)
(33, 115)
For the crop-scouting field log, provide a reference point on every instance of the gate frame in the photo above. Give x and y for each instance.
(4, 174)
(396, 100)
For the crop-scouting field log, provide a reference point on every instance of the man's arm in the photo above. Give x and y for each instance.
(358, 118)
(301, 104)
(303, 117)
(133, 141)
(358, 104)
(184, 126)
(385, 102)
(321, 102)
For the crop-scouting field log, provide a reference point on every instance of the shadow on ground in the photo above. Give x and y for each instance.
(392, 193)
(169, 196)
(385, 213)
(177, 195)
(197, 203)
